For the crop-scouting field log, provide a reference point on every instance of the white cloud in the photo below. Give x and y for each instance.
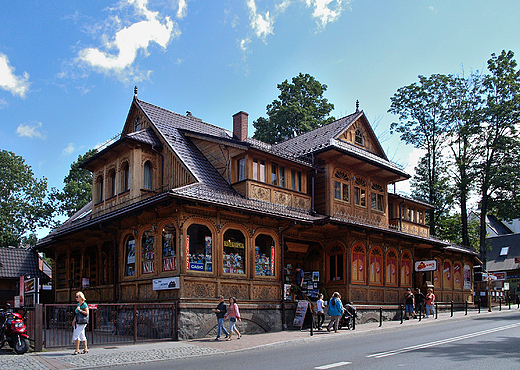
(244, 44)
(129, 40)
(69, 149)
(262, 25)
(413, 160)
(16, 85)
(183, 9)
(282, 6)
(323, 11)
(30, 131)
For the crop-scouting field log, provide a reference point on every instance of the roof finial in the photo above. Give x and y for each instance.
(135, 91)
(357, 105)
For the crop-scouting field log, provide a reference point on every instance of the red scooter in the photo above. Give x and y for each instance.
(13, 331)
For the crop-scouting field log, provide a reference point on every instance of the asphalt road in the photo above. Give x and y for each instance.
(480, 342)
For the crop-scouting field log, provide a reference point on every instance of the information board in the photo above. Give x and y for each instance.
(299, 316)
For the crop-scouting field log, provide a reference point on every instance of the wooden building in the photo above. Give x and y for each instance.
(215, 212)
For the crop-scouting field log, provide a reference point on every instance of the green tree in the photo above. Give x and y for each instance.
(450, 228)
(498, 169)
(300, 107)
(77, 191)
(24, 205)
(423, 122)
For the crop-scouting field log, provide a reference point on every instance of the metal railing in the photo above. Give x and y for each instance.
(112, 323)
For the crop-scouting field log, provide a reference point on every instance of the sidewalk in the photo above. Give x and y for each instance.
(147, 352)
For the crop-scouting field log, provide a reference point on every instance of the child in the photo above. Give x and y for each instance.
(321, 315)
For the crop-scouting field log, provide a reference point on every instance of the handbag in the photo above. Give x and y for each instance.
(81, 319)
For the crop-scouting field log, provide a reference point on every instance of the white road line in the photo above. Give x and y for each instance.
(330, 366)
(443, 341)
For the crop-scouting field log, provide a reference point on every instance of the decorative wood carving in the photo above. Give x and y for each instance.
(199, 290)
(266, 293)
(376, 295)
(261, 193)
(237, 291)
(281, 198)
(359, 295)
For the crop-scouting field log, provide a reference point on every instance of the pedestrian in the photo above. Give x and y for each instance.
(419, 301)
(335, 311)
(234, 314)
(320, 304)
(220, 311)
(430, 301)
(300, 275)
(408, 303)
(79, 323)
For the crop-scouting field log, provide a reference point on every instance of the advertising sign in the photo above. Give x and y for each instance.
(166, 283)
(423, 266)
(22, 290)
(29, 286)
(301, 310)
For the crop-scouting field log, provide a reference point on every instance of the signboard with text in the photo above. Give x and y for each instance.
(423, 266)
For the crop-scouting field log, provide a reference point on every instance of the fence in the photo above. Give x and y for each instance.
(112, 323)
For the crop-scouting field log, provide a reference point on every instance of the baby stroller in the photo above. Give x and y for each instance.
(348, 316)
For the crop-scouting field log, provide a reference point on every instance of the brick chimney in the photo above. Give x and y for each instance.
(240, 125)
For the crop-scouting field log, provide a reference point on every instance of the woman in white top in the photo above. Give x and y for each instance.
(321, 315)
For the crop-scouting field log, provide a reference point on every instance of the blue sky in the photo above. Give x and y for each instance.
(68, 68)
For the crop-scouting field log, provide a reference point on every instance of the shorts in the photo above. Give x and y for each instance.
(409, 308)
(79, 333)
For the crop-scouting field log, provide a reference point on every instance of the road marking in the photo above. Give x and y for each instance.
(330, 366)
(443, 341)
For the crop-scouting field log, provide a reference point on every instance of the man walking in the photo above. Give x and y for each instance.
(220, 311)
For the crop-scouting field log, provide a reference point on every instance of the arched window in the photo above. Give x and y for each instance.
(264, 255)
(111, 183)
(360, 192)
(99, 189)
(358, 264)
(447, 275)
(341, 186)
(437, 276)
(234, 252)
(125, 177)
(169, 252)
(199, 248)
(376, 197)
(336, 256)
(359, 137)
(391, 268)
(376, 266)
(147, 176)
(457, 275)
(130, 256)
(148, 252)
(406, 270)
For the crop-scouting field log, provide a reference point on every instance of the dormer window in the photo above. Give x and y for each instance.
(137, 124)
(359, 137)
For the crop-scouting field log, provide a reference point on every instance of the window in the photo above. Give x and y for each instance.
(264, 255)
(169, 252)
(504, 251)
(147, 252)
(296, 180)
(199, 248)
(130, 256)
(282, 176)
(391, 268)
(376, 197)
(341, 186)
(147, 176)
(359, 137)
(125, 178)
(234, 252)
(111, 183)
(137, 124)
(375, 268)
(258, 169)
(406, 270)
(447, 281)
(360, 193)
(358, 263)
(99, 188)
(241, 169)
(274, 174)
(336, 263)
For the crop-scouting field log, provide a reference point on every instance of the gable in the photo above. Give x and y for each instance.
(360, 134)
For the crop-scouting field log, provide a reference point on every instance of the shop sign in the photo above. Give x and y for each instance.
(148, 267)
(188, 252)
(169, 263)
(231, 244)
(272, 260)
(196, 266)
(423, 266)
(29, 286)
(166, 283)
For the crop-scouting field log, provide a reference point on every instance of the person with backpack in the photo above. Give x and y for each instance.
(335, 311)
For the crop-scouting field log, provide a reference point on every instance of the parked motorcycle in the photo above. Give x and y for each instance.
(13, 331)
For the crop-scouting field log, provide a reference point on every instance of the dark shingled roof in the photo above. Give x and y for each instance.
(15, 262)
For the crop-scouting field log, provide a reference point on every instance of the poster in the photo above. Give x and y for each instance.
(166, 283)
(131, 252)
(299, 316)
(467, 277)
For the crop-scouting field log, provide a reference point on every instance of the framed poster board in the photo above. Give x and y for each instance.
(299, 315)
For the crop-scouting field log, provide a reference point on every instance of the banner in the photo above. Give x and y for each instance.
(423, 266)
(166, 283)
